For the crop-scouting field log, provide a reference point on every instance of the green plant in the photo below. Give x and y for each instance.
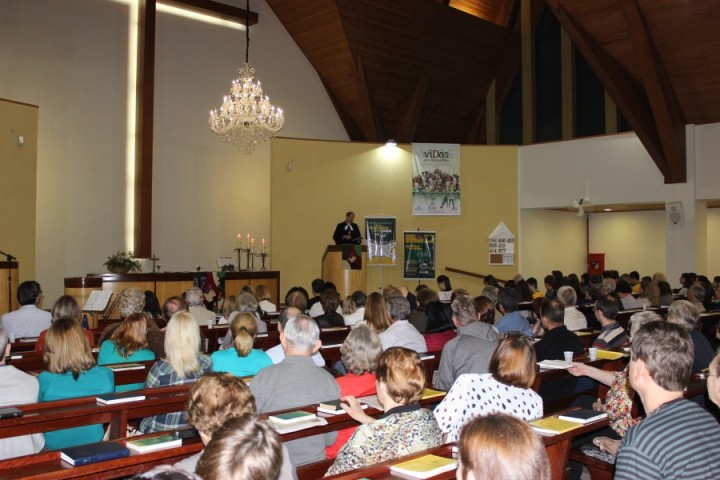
(123, 262)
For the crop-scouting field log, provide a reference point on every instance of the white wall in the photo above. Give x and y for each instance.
(70, 58)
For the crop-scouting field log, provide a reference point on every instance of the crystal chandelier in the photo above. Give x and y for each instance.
(246, 117)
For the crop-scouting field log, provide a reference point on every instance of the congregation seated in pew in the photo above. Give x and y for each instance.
(507, 388)
(404, 428)
(71, 373)
(128, 343)
(183, 363)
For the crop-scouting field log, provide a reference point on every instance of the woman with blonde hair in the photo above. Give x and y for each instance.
(377, 316)
(65, 307)
(71, 373)
(405, 428)
(501, 447)
(128, 343)
(507, 388)
(243, 360)
(183, 363)
(262, 294)
(215, 399)
(230, 306)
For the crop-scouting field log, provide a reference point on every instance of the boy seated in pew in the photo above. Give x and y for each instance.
(17, 388)
(215, 399)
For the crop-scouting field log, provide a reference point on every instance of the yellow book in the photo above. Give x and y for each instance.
(553, 426)
(608, 355)
(425, 467)
(430, 393)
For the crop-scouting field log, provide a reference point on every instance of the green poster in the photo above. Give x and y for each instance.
(419, 255)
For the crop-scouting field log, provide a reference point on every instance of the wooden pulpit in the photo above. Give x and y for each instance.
(338, 271)
(8, 287)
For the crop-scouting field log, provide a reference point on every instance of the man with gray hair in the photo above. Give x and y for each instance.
(401, 333)
(296, 382)
(695, 295)
(276, 353)
(685, 314)
(574, 318)
(17, 388)
(471, 350)
(196, 307)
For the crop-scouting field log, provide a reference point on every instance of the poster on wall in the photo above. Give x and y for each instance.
(501, 246)
(419, 255)
(436, 179)
(381, 242)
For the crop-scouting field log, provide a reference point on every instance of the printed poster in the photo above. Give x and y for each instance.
(419, 255)
(501, 246)
(436, 179)
(381, 242)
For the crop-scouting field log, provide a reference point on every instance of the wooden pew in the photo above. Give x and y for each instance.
(557, 448)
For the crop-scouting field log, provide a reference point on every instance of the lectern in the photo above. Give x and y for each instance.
(338, 271)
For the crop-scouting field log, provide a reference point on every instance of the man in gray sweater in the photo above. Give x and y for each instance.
(296, 382)
(471, 350)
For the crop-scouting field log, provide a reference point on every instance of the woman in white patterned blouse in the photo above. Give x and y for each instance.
(506, 389)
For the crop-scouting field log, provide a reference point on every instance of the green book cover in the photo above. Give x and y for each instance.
(292, 417)
(154, 443)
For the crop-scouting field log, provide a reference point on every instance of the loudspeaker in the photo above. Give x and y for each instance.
(674, 213)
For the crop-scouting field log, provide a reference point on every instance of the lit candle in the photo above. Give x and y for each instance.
(248, 239)
(263, 245)
(252, 243)
(239, 240)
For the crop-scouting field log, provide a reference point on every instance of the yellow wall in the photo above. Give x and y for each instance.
(713, 240)
(18, 174)
(329, 178)
(552, 240)
(630, 240)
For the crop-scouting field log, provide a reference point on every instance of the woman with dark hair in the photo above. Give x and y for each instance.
(330, 301)
(665, 292)
(444, 287)
(485, 309)
(440, 326)
(152, 308)
(492, 281)
(526, 294)
(418, 317)
(507, 388)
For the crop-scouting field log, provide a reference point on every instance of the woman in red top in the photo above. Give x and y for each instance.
(360, 353)
(65, 307)
(440, 327)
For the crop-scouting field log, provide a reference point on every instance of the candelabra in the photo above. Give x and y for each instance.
(263, 256)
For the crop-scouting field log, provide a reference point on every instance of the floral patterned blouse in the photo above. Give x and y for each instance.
(401, 431)
(618, 403)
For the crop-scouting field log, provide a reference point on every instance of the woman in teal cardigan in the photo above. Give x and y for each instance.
(243, 360)
(128, 343)
(71, 373)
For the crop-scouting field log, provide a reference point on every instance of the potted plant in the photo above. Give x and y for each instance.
(122, 262)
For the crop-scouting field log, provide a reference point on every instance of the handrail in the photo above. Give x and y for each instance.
(471, 274)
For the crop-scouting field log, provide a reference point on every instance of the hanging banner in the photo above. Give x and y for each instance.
(419, 255)
(436, 179)
(381, 243)
(501, 246)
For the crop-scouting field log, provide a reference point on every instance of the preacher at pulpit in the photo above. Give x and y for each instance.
(347, 231)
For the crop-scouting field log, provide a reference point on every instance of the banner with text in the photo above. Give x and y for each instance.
(419, 255)
(381, 241)
(436, 179)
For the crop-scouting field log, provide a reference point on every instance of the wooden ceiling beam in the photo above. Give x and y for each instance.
(214, 9)
(406, 131)
(370, 119)
(620, 85)
(351, 127)
(665, 106)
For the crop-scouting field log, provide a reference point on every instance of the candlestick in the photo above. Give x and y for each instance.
(239, 240)
(263, 245)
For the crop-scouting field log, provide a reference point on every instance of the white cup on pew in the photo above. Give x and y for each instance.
(592, 351)
(211, 323)
(11, 337)
(568, 356)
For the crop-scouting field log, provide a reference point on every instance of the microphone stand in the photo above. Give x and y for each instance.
(10, 258)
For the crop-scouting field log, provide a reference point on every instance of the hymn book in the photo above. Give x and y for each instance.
(549, 426)
(425, 467)
(583, 416)
(93, 453)
(145, 445)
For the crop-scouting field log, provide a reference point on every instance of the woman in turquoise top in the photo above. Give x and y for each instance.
(243, 360)
(127, 344)
(71, 373)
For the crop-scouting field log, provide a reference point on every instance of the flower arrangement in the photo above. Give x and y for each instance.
(122, 262)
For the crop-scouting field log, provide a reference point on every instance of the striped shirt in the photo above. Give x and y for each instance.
(679, 440)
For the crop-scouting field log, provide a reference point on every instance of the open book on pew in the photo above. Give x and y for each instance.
(93, 453)
(425, 467)
(549, 426)
(295, 421)
(152, 444)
